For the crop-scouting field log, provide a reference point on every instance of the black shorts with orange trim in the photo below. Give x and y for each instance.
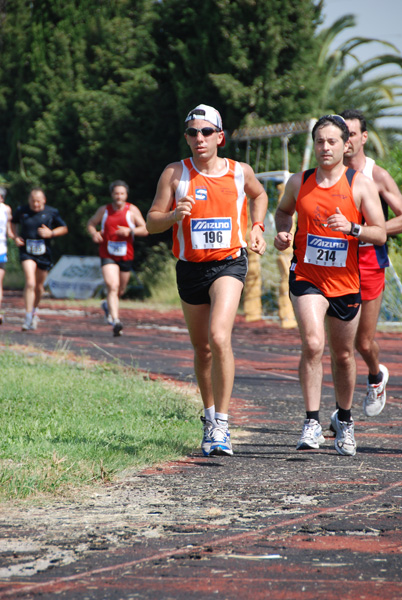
(344, 308)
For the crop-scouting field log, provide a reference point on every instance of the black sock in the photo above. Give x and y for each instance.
(375, 379)
(344, 415)
(313, 414)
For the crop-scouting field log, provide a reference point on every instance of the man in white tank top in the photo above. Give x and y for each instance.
(5, 231)
(372, 261)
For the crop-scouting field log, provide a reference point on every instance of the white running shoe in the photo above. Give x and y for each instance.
(27, 324)
(311, 436)
(35, 322)
(206, 438)
(108, 316)
(220, 439)
(345, 442)
(376, 396)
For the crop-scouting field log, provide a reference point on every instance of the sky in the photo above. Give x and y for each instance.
(380, 19)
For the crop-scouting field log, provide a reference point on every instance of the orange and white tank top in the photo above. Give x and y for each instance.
(216, 228)
(328, 259)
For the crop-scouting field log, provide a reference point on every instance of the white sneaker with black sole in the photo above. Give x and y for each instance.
(345, 442)
(311, 436)
(206, 438)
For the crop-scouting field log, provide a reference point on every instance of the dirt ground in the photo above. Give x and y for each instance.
(269, 522)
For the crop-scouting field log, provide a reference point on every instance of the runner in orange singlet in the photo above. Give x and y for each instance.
(204, 199)
(330, 202)
(373, 261)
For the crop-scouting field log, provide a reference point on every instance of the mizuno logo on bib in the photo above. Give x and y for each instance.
(326, 251)
(211, 233)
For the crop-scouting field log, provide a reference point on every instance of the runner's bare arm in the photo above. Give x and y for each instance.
(139, 222)
(47, 233)
(93, 223)
(258, 208)
(368, 202)
(390, 192)
(19, 241)
(365, 192)
(161, 216)
(10, 232)
(285, 211)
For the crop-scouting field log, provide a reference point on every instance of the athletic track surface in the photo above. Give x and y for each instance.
(270, 522)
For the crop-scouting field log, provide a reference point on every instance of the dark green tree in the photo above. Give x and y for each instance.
(250, 58)
(77, 93)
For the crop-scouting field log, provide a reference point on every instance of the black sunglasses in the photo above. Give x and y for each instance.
(205, 131)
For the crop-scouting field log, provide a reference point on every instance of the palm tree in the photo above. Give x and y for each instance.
(344, 82)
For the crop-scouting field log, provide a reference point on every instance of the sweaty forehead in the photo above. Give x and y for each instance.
(328, 131)
(353, 125)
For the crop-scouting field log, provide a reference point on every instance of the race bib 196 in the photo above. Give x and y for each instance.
(211, 233)
(35, 247)
(117, 248)
(326, 251)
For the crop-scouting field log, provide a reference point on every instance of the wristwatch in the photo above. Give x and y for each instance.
(355, 230)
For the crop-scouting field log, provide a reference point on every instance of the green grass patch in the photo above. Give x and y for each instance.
(69, 424)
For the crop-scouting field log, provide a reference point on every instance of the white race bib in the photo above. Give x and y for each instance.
(35, 247)
(211, 233)
(117, 248)
(326, 251)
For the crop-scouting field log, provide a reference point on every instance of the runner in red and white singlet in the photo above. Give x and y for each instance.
(119, 222)
(373, 260)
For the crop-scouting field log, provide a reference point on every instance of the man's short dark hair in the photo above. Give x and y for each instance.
(37, 189)
(117, 183)
(352, 113)
(336, 120)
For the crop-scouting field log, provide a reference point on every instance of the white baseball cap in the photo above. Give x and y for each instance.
(207, 113)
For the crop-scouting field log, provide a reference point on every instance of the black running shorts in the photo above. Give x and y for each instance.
(195, 279)
(124, 265)
(344, 308)
(43, 262)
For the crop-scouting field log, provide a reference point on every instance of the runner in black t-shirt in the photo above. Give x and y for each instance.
(38, 224)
